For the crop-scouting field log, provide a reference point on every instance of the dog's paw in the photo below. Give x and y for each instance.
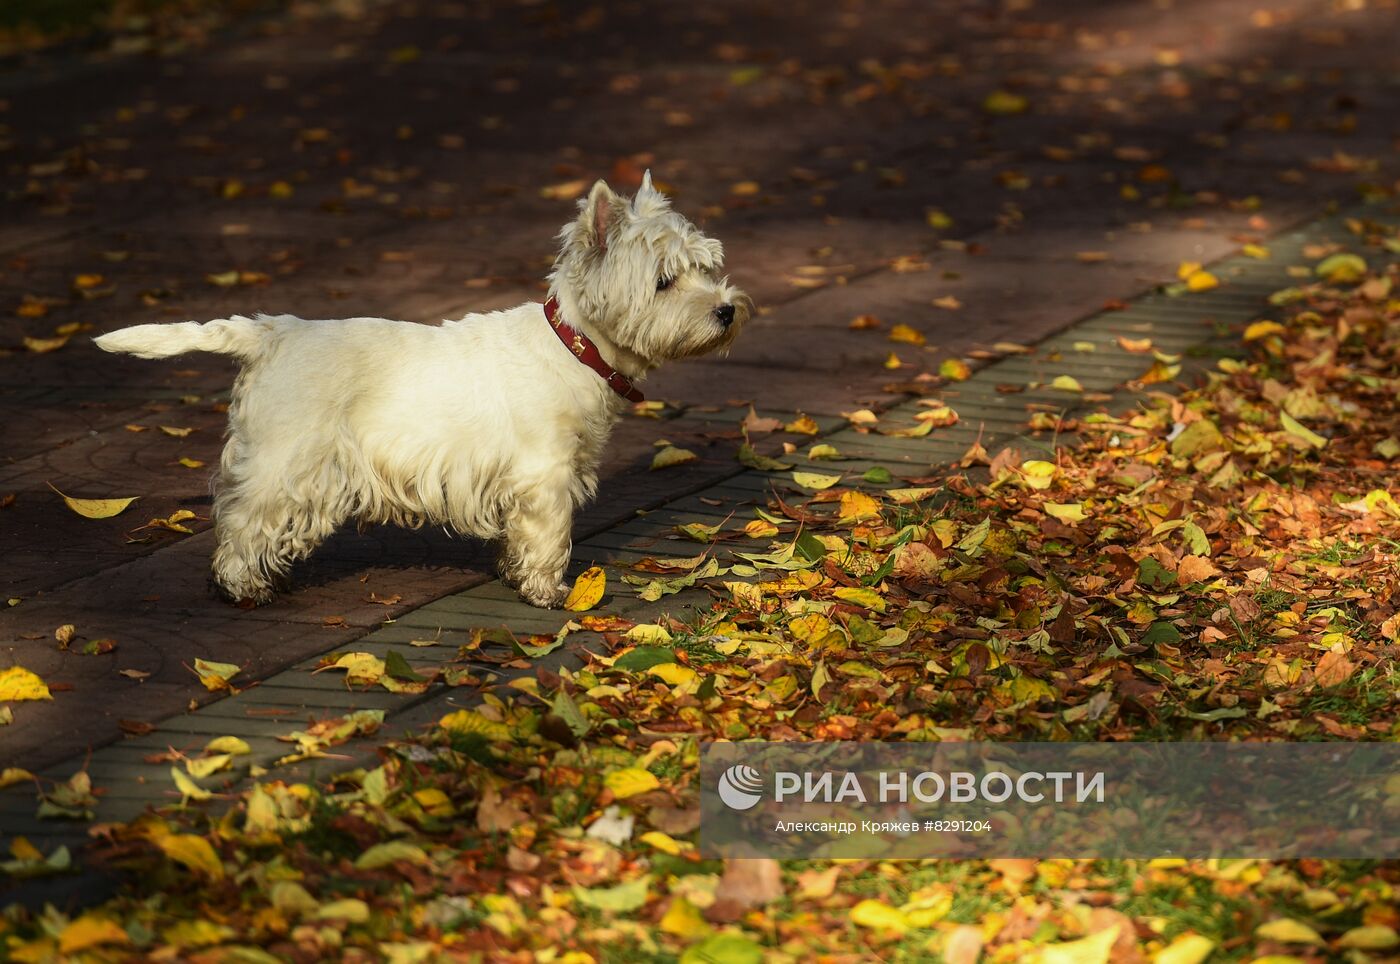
(544, 596)
(242, 598)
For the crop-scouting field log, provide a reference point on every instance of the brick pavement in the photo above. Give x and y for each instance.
(393, 162)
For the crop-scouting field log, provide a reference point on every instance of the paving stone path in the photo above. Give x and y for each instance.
(980, 175)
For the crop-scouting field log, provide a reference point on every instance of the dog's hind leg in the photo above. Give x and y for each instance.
(263, 525)
(538, 531)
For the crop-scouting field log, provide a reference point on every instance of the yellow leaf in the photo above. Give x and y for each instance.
(22, 849)
(823, 451)
(955, 369)
(1381, 499)
(1186, 949)
(565, 190)
(1370, 937)
(189, 790)
(1285, 930)
(588, 590)
(1070, 512)
(215, 676)
(1202, 281)
(18, 683)
(1187, 268)
(193, 933)
(760, 529)
(909, 336)
(1159, 372)
(937, 218)
(662, 842)
(1263, 329)
(1341, 268)
(802, 425)
(1137, 346)
(673, 673)
(1259, 252)
(684, 920)
(207, 766)
(893, 362)
(42, 346)
(649, 633)
(176, 432)
(191, 463)
(384, 854)
(194, 852)
(670, 455)
(434, 802)
(630, 782)
(879, 916)
(12, 775)
(1293, 427)
(939, 416)
(1066, 383)
(90, 931)
(228, 744)
(1004, 102)
(910, 495)
(96, 508)
(470, 721)
(351, 909)
(857, 507)
(861, 596)
(1093, 949)
(362, 668)
(1038, 474)
(813, 480)
(919, 430)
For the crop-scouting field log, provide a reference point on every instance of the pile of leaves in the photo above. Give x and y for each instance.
(1216, 564)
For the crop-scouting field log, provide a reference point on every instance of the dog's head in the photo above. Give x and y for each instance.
(646, 278)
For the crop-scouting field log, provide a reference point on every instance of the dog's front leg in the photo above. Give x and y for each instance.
(538, 540)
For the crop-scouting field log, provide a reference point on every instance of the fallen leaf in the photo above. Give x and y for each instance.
(18, 683)
(96, 508)
(588, 590)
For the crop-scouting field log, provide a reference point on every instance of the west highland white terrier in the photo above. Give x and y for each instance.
(492, 425)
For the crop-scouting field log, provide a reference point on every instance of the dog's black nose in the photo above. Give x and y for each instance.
(725, 315)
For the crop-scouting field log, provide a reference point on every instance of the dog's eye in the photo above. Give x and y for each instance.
(663, 283)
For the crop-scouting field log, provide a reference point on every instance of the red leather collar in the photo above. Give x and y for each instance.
(585, 351)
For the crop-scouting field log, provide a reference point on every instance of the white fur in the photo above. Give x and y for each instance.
(487, 425)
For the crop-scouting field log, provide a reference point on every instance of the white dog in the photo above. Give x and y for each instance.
(492, 425)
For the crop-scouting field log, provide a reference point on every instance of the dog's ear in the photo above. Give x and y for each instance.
(646, 187)
(599, 214)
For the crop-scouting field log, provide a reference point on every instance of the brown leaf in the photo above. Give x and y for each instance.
(1014, 871)
(746, 884)
(1333, 668)
(495, 814)
(964, 945)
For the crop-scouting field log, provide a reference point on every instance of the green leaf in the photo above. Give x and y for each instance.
(620, 899)
(810, 547)
(643, 658)
(1161, 632)
(397, 667)
(567, 710)
(724, 949)
(878, 474)
(1218, 714)
(763, 463)
(1153, 575)
(384, 854)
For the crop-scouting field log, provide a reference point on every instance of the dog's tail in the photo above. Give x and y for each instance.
(238, 336)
